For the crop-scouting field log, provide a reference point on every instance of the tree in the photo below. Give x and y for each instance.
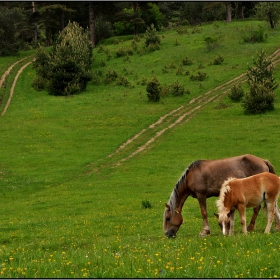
(153, 88)
(10, 20)
(67, 67)
(269, 11)
(91, 23)
(228, 5)
(262, 85)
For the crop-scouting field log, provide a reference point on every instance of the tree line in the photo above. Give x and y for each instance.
(24, 25)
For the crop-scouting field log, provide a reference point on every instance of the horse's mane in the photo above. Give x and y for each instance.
(224, 189)
(179, 185)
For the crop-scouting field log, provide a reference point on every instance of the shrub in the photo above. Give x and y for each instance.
(177, 89)
(123, 81)
(211, 43)
(199, 77)
(260, 97)
(151, 36)
(187, 61)
(236, 93)
(250, 35)
(258, 100)
(146, 204)
(110, 76)
(218, 60)
(67, 67)
(153, 88)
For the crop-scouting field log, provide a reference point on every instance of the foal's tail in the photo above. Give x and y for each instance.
(270, 166)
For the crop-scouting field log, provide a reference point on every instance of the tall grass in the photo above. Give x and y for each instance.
(69, 211)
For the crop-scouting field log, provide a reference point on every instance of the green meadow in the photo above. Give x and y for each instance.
(73, 187)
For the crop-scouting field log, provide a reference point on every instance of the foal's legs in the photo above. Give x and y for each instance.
(269, 215)
(277, 213)
(231, 228)
(242, 213)
(252, 225)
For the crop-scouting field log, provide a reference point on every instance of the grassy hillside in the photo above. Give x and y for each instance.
(70, 210)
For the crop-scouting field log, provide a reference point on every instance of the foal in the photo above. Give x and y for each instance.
(248, 192)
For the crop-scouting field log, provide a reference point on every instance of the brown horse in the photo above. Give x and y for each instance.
(248, 192)
(203, 179)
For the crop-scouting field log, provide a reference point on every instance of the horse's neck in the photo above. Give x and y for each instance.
(182, 196)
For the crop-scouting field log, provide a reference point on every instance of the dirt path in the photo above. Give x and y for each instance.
(142, 140)
(14, 82)
(7, 72)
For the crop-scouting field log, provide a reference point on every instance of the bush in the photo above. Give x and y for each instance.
(211, 43)
(261, 96)
(249, 35)
(153, 88)
(67, 67)
(236, 93)
(258, 100)
(199, 77)
(218, 60)
(176, 89)
(152, 37)
(187, 61)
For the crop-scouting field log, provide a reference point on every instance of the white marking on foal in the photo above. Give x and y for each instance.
(224, 228)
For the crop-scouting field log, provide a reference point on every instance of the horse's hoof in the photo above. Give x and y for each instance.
(251, 228)
(204, 233)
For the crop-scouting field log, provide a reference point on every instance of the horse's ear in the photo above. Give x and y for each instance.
(216, 215)
(167, 206)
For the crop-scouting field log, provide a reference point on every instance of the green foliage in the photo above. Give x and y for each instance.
(151, 37)
(41, 65)
(153, 90)
(177, 89)
(200, 76)
(67, 67)
(236, 93)
(146, 204)
(187, 61)
(258, 100)
(211, 43)
(218, 60)
(103, 29)
(121, 51)
(269, 11)
(111, 76)
(253, 35)
(9, 30)
(261, 96)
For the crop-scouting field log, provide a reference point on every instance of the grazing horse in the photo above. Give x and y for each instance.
(248, 192)
(203, 179)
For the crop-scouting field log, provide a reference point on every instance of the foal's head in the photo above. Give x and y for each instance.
(171, 221)
(224, 222)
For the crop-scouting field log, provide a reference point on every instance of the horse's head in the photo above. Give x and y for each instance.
(171, 221)
(224, 222)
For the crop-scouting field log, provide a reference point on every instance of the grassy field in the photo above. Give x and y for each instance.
(69, 210)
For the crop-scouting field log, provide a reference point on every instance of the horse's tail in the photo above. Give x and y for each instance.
(270, 166)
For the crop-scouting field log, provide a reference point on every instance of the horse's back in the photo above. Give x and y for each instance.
(209, 175)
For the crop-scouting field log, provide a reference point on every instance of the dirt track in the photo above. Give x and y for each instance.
(141, 141)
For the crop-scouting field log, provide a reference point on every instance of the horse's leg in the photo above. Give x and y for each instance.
(242, 213)
(277, 221)
(202, 203)
(252, 225)
(270, 215)
(231, 229)
(277, 214)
